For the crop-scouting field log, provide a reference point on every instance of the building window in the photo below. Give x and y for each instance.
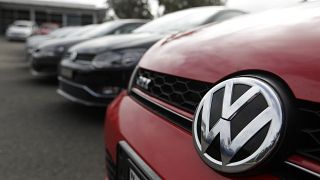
(23, 15)
(55, 18)
(41, 17)
(86, 19)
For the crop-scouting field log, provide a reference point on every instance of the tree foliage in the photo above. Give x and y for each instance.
(175, 5)
(130, 8)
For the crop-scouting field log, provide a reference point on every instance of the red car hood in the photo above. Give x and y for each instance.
(285, 43)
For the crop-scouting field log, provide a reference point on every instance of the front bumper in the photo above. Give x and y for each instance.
(84, 84)
(165, 147)
(82, 94)
(17, 36)
(44, 65)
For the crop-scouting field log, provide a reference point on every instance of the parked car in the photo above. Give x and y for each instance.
(239, 99)
(46, 28)
(47, 56)
(34, 41)
(95, 71)
(20, 30)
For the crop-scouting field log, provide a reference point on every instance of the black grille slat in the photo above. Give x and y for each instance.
(170, 116)
(84, 57)
(309, 145)
(180, 92)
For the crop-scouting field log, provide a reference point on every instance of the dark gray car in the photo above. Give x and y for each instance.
(34, 41)
(93, 73)
(48, 55)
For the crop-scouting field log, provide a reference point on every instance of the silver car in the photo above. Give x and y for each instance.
(20, 30)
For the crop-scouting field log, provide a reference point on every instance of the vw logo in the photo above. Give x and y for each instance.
(237, 124)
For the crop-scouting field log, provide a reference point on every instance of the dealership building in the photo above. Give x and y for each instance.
(62, 13)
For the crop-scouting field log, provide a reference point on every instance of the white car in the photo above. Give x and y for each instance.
(20, 30)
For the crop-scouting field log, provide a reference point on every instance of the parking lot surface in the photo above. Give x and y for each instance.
(43, 136)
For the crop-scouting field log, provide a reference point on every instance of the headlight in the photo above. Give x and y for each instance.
(59, 49)
(124, 58)
(40, 52)
(50, 51)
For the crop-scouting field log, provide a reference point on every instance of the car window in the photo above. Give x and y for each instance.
(127, 29)
(224, 15)
(102, 29)
(82, 31)
(178, 21)
(22, 24)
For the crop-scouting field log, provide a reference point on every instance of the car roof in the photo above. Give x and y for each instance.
(125, 21)
(23, 22)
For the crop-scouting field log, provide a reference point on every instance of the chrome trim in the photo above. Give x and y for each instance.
(86, 88)
(77, 100)
(303, 169)
(138, 161)
(161, 106)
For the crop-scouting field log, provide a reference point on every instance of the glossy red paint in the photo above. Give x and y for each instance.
(167, 149)
(305, 163)
(283, 42)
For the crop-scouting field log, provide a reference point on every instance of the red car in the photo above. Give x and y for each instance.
(240, 99)
(46, 28)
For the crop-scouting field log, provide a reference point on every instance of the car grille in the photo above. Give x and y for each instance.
(180, 92)
(84, 57)
(309, 144)
(186, 95)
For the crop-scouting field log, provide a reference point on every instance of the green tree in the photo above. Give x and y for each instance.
(175, 5)
(130, 8)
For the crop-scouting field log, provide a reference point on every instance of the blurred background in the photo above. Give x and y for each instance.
(83, 12)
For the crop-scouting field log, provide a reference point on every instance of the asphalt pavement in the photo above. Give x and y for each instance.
(42, 135)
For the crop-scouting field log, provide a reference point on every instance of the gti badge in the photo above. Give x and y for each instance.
(143, 82)
(237, 124)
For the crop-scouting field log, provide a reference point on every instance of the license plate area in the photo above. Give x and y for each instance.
(131, 167)
(68, 73)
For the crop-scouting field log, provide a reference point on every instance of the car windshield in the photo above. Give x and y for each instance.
(178, 21)
(101, 30)
(82, 31)
(22, 24)
(64, 31)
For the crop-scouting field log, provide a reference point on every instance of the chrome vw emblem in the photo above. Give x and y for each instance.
(237, 124)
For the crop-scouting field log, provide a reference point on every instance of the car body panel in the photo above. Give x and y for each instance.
(308, 164)
(113, 42)
(287, 46)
